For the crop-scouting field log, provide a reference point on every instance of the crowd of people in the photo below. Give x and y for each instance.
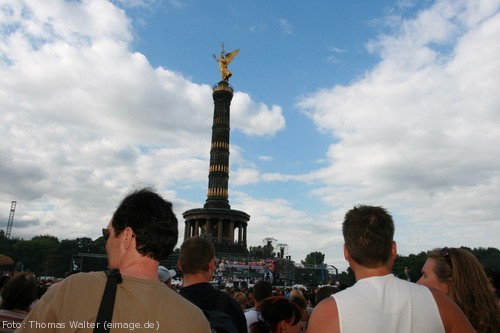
(454, 293)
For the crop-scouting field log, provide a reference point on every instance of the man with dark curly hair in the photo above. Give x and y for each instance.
(142, 231)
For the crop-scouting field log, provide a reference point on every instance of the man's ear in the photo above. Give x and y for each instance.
(346, 253)
(282, 326)
(394, 250)
(211, 265)
(179, 265)
(129, 237)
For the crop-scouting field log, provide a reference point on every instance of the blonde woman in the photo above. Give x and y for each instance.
(459, 274)
(241, 298)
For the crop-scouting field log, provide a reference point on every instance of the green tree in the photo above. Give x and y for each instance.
(99, 245)
(413, 263)
(256, 252)
(347, 278)
(68, 248)
(314, 258)
(489, 257)
(41, 255)
(7, 245)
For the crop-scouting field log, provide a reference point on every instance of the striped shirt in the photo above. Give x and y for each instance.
(10, 320)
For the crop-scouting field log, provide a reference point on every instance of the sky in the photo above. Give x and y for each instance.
(393, 103)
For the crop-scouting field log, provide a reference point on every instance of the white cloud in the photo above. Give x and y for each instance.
(85, 118)
(333, 59)
(277, 218)
(419, 133)
(255, 118)
(286, 27)
(336, 50)
(246, 176)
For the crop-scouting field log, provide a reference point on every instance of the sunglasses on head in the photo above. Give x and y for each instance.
(105, 233)
(445, 252)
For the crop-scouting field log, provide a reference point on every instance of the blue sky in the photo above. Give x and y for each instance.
(336, 103)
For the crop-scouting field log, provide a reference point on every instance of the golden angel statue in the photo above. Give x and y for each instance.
(224, 60)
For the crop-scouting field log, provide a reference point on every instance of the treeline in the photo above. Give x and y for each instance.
(488, 257)
(46, 255)
(410, 266)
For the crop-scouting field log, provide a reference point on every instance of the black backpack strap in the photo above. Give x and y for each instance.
(108, 300)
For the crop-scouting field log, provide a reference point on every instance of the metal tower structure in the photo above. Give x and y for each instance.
(11, 219)
(270, 241)
(283, 250)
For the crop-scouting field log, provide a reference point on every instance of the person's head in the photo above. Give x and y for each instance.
(145, 218)
(436, 272)
(296, 293)
(197, 255)
(368, 235)
(241, 298)
(165, 275)
(19, 292)
(459, 273)
(262, 290)
(325, 292)
(451, 270)
(277, 314)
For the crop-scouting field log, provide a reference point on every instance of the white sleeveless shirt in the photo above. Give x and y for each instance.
(387, 304)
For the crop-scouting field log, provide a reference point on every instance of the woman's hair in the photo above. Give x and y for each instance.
(468, 285)
(272, 311)
(20, 292)
(241, 298)
(296, 292)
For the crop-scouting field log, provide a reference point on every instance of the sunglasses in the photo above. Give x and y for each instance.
(105, 233)
(445, 252)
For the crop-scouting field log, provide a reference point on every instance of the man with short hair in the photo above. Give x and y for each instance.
(261, 291)
(142, 231)
(380, 302)
(197, 264)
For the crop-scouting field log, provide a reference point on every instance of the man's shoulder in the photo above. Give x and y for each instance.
(178, 313)
(78, 282)
(250, 311)
(324, 317)
(377, 285)
(384, 281)
(251, 314)
(180, 300)
(221, 293)
(223, 297)
(89, 277)
(198, 286)
(453, 318)
(198, 290)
